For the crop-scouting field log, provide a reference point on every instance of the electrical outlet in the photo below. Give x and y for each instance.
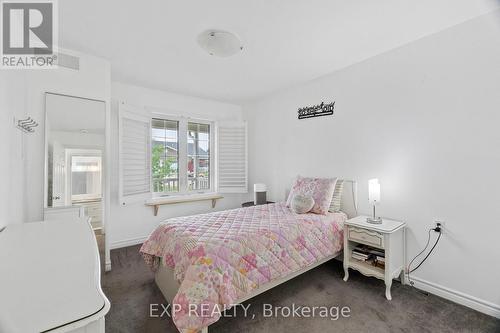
(440, 223)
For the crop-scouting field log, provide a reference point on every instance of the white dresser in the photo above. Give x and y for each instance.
(50, 278)
(66, 213)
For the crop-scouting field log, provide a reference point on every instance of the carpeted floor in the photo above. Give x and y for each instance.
(131, 289)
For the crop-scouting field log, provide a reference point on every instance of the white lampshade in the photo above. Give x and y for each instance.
(259, 187)
(373, 191)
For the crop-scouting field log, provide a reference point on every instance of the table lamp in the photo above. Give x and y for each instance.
(374, 199)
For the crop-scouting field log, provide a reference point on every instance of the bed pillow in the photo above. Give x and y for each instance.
(320, 189)
(337, 196)
(301, 204)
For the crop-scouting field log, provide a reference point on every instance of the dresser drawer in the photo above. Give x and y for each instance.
(366, 237)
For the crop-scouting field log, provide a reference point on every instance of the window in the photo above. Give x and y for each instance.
(85, 177)
(180, 156)
(165, 155)
(175, 155)
(198, 164)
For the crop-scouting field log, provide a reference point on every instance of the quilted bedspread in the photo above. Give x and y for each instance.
(220, 257)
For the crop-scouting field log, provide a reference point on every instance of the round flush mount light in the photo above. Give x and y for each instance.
(84, 131)
(220, 43)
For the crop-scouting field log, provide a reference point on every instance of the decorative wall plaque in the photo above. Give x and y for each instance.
(316, 110)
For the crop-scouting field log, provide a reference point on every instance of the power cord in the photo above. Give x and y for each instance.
(436, 229)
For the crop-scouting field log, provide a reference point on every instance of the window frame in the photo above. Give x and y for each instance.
(183, 156)
(211, 146)
(163, 118)
(86, 196)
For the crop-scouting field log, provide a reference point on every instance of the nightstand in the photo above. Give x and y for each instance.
(251, 203)
(381, 243)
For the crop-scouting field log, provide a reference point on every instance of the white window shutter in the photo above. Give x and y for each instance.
(232, 166)
(135, 154)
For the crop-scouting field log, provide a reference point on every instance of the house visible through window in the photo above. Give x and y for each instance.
(180, 156)
(198, 170)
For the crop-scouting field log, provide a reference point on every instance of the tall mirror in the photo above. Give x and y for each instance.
(75, 142)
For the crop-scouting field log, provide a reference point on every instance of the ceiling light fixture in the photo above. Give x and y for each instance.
(220, 43)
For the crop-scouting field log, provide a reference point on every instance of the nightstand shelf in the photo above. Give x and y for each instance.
(367, 269)
(387, 239)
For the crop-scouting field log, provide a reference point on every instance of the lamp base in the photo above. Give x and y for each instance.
(374, 220)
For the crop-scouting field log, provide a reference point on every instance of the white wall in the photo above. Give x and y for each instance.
(131, 224)
(12, 104)
(424, 119)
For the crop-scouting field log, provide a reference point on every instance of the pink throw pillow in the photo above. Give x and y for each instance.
(320, 189)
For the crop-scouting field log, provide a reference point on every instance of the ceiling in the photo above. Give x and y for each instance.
(153, 43)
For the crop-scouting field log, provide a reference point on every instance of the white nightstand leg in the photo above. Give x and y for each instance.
(347, 255)
(388, 284)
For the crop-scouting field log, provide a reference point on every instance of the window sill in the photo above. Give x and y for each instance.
(160, 201)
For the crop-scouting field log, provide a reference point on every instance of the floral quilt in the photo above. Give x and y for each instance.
(220, 257)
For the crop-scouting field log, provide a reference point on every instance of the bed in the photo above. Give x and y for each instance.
(209, 262)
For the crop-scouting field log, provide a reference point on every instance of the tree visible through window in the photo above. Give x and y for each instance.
(165, 155)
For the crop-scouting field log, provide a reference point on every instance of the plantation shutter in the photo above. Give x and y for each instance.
(232, 157)
(135, 154)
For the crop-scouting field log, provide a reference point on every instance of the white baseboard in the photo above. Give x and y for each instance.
(457, 297)
(127, 242)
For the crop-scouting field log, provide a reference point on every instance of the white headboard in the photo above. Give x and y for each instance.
(349, 201)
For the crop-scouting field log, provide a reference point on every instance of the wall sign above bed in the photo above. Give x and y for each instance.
(316, 110)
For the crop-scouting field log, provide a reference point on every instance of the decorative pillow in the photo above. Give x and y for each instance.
(337, 196)
(320, 189)
(302, 203)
